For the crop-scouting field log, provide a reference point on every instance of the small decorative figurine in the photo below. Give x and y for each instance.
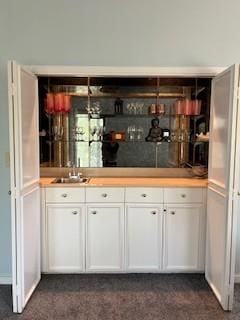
(155, 133)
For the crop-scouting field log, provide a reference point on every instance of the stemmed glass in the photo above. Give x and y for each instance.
(131, 132)
(57, 133)
(139, 133)
(80, 133)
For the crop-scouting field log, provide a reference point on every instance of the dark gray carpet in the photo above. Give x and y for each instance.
(121, 297)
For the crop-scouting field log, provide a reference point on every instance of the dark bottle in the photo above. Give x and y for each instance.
(118, 106)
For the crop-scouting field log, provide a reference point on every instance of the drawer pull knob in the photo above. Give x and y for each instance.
(144, 195)
(64, 195)
(183, 195)
(104, 195)
(94, 212)
(153, 212)
(74, 212)
(173, 212)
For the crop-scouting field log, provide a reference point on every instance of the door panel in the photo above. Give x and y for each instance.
(220, 130)
(221, 203)
(216, 235)
(143, 238)
(25, 199)
(182, 230)
(31, 248)
(65, 238)
(104, 238)
(28, 123)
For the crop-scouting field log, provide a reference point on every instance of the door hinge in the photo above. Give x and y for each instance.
(13, 192)
(13, 89)
(17, 290)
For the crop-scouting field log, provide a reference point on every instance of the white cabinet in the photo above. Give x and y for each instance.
(132, 229)
(143, 237)
(65, 195)
(183, 195)
(104, 194)
(183, 237)
(105, 237)
(65, 233)
(144, 195)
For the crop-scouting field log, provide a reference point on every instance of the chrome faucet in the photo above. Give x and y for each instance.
(73, 174)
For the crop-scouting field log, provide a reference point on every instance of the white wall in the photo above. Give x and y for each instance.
(109, 33)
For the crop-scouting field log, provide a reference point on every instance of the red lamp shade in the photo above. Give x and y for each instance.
(179, 106)
(66, 103)
(196, 107)
(58, 102)
(188, 107)
(49, 103)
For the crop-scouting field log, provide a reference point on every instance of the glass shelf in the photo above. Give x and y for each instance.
(125, 115)
(124, 141)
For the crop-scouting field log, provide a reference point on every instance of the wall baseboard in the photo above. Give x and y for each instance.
(237, 278)
(5, 279)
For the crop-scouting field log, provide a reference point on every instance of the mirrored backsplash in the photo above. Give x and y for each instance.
(123, 122)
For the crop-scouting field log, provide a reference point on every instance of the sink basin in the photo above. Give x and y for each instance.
(69, 180)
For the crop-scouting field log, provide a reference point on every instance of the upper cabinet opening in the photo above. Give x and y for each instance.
(124, 121)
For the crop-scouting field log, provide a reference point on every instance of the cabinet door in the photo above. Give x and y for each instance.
(143, 237)
(183, 237)
(65, 238)
(104, 237)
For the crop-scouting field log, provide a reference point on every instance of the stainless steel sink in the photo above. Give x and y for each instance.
(71, 180)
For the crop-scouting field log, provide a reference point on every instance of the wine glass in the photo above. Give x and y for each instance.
(139, 133)
(57, 132)
(81, 132)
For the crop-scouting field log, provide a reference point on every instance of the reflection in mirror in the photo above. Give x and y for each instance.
(123, 122)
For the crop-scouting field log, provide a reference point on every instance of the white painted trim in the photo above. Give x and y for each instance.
(12, 102)
(5, 279)
(237, 278)
(84, 71)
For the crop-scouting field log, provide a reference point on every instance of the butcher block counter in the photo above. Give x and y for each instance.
(130, 182)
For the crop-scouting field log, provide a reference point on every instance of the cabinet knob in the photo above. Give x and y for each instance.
(104, 195)
(94, 212)
(183, 195)
(153, 212)
(64, 195)
(238, 193)
(74, 212)
(144, 195)
(173, 212)
(164, 210)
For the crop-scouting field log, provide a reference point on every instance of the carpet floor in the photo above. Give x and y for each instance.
(121, 297)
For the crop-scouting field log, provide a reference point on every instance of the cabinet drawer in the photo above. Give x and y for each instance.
(183, 195)
(104, 194)
(144, 195)
(65, 195)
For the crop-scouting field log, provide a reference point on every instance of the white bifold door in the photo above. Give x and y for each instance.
(25, 195)
(223, 189)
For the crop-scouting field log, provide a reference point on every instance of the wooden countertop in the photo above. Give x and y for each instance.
(131, 182)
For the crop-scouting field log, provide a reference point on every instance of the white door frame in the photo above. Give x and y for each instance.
(18, 188)
(84, 71)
